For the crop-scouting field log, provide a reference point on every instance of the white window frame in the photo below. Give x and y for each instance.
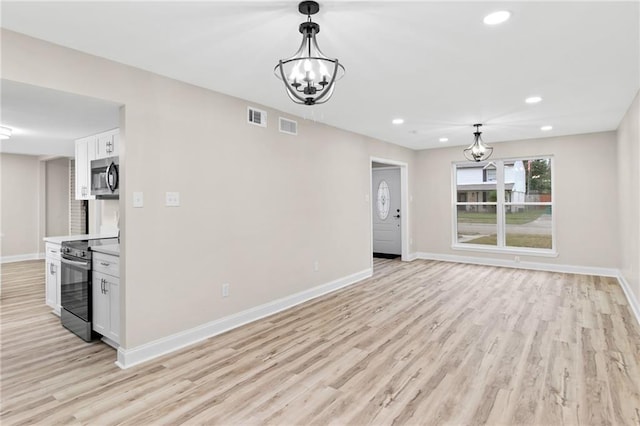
(500, 205)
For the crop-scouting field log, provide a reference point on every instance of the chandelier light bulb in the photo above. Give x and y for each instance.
(295, 73)
(323, 70)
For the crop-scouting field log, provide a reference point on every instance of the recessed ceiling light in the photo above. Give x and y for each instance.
(533, 99)
(444, 139)
(397, 121)
(546, 128)
(496, 18)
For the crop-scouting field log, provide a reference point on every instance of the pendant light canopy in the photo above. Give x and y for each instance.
(478, 151)
(309, 75)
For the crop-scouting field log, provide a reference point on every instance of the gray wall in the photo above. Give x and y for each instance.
(20, 205)
(585, 196)
(258, 207)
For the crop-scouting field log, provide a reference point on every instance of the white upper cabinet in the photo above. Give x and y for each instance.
(94, 147)
(107, 144)
(85, 152)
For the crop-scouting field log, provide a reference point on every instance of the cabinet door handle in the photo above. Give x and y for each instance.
(106, 288)
(102, 285)
(105, 263)
(51, 269)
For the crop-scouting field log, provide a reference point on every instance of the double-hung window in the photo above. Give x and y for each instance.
(504, 205)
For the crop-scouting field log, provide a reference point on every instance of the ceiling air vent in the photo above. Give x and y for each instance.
(288, 126)
(257, 117)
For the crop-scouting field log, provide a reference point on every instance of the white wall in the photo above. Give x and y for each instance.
(629, 205)
(110, 214)
(20, 206)
(258, 207)
(57, 197)
(585, 198)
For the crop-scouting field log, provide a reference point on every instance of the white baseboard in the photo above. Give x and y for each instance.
(537, 266)
(634, 304)
(410, 257)
(137, 355)
(22, 257)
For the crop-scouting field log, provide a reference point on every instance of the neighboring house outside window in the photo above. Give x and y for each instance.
(504, 205)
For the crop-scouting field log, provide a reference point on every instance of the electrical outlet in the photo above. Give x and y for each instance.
(316, 266)
(225, 290)
(517, 259)
(172, 199)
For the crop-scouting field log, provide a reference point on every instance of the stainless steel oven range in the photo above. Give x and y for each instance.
(75, 285)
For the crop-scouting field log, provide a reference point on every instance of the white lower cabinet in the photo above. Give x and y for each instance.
(106, 299)
(52, 276)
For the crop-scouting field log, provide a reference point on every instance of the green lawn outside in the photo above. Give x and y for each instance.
(517, 240)
(519, 218)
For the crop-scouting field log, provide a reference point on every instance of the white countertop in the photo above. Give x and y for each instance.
(61, 239)
(112, 249)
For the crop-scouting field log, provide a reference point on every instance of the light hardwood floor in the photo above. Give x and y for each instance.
(418, 343)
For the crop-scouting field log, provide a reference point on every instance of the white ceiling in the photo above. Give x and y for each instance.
(46, 122)
(435, 64)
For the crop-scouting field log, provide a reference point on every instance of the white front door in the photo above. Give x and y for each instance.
(386, 211)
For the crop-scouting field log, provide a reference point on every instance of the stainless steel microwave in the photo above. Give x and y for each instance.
(105, 178)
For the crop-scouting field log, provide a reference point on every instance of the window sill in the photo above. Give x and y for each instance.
(506, 250)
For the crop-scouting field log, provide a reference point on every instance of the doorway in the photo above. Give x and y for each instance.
(389, 209)
(386, 223)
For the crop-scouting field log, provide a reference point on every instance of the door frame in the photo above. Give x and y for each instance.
(404, 204)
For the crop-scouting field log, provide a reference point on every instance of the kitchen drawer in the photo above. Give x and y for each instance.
(52, 251)
(106, 264)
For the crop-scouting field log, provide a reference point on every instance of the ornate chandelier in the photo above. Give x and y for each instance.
(478, 150)
(309, 75)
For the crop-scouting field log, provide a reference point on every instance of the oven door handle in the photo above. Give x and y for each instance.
(84, 265)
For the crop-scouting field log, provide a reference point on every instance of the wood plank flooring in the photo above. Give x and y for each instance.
(418, 343)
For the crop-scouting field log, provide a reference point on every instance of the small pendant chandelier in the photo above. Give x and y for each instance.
(478, 151)
(309, 75)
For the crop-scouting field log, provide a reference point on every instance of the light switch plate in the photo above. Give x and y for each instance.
(172, 199)
(138, 199)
